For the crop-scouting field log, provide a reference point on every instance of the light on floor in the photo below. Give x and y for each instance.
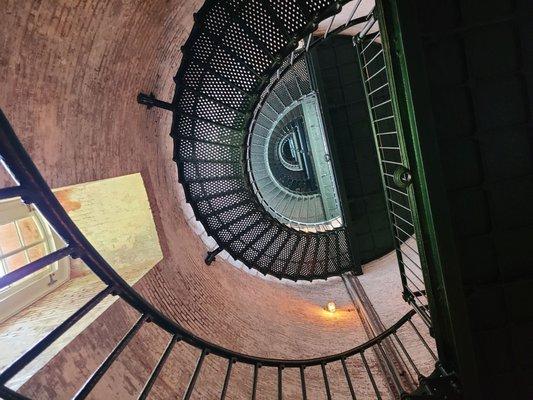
(331, 307)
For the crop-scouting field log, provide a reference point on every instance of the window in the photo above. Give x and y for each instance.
(26, 237)
(22, 241)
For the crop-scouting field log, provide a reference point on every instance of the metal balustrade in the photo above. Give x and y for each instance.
(32, 189)
(293, 78)
(394, 165)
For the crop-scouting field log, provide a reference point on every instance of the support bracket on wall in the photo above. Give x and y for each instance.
(149, 100)
(211, 255)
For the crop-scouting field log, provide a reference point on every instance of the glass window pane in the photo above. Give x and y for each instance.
(15, 261)
(37, 252)
(29, 230)
(15, 239)
(9, 239)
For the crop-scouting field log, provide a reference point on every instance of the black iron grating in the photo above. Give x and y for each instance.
(229, 60)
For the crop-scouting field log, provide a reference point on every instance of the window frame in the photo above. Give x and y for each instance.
(30, 288)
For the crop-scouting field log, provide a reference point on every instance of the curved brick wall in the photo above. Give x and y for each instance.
(70, 73)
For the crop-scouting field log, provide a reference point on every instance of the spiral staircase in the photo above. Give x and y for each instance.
(242, 86)
(228, 66)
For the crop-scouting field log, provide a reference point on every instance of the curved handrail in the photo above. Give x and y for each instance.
(34, 189)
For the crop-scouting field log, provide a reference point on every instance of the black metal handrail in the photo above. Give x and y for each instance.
(32, 189)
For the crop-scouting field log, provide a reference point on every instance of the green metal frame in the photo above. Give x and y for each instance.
(402, 161)
(441, 266)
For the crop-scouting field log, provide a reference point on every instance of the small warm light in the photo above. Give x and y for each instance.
(331, 307)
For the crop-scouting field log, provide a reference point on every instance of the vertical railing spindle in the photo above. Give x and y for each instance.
(309, 38)
(426, 345)
(404, 350)
(392, 370)
(326, 381)
(354, 9)
(231, 361)
(159, 366)
(370, 376)
(97, 375)
(302, 380)
(194, 377)
(280, 383)
(330, 25)
(348, 379)
(254, 386)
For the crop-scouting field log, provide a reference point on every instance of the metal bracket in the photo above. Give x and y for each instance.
(211, 255)
(439, 385)
(150, 101)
